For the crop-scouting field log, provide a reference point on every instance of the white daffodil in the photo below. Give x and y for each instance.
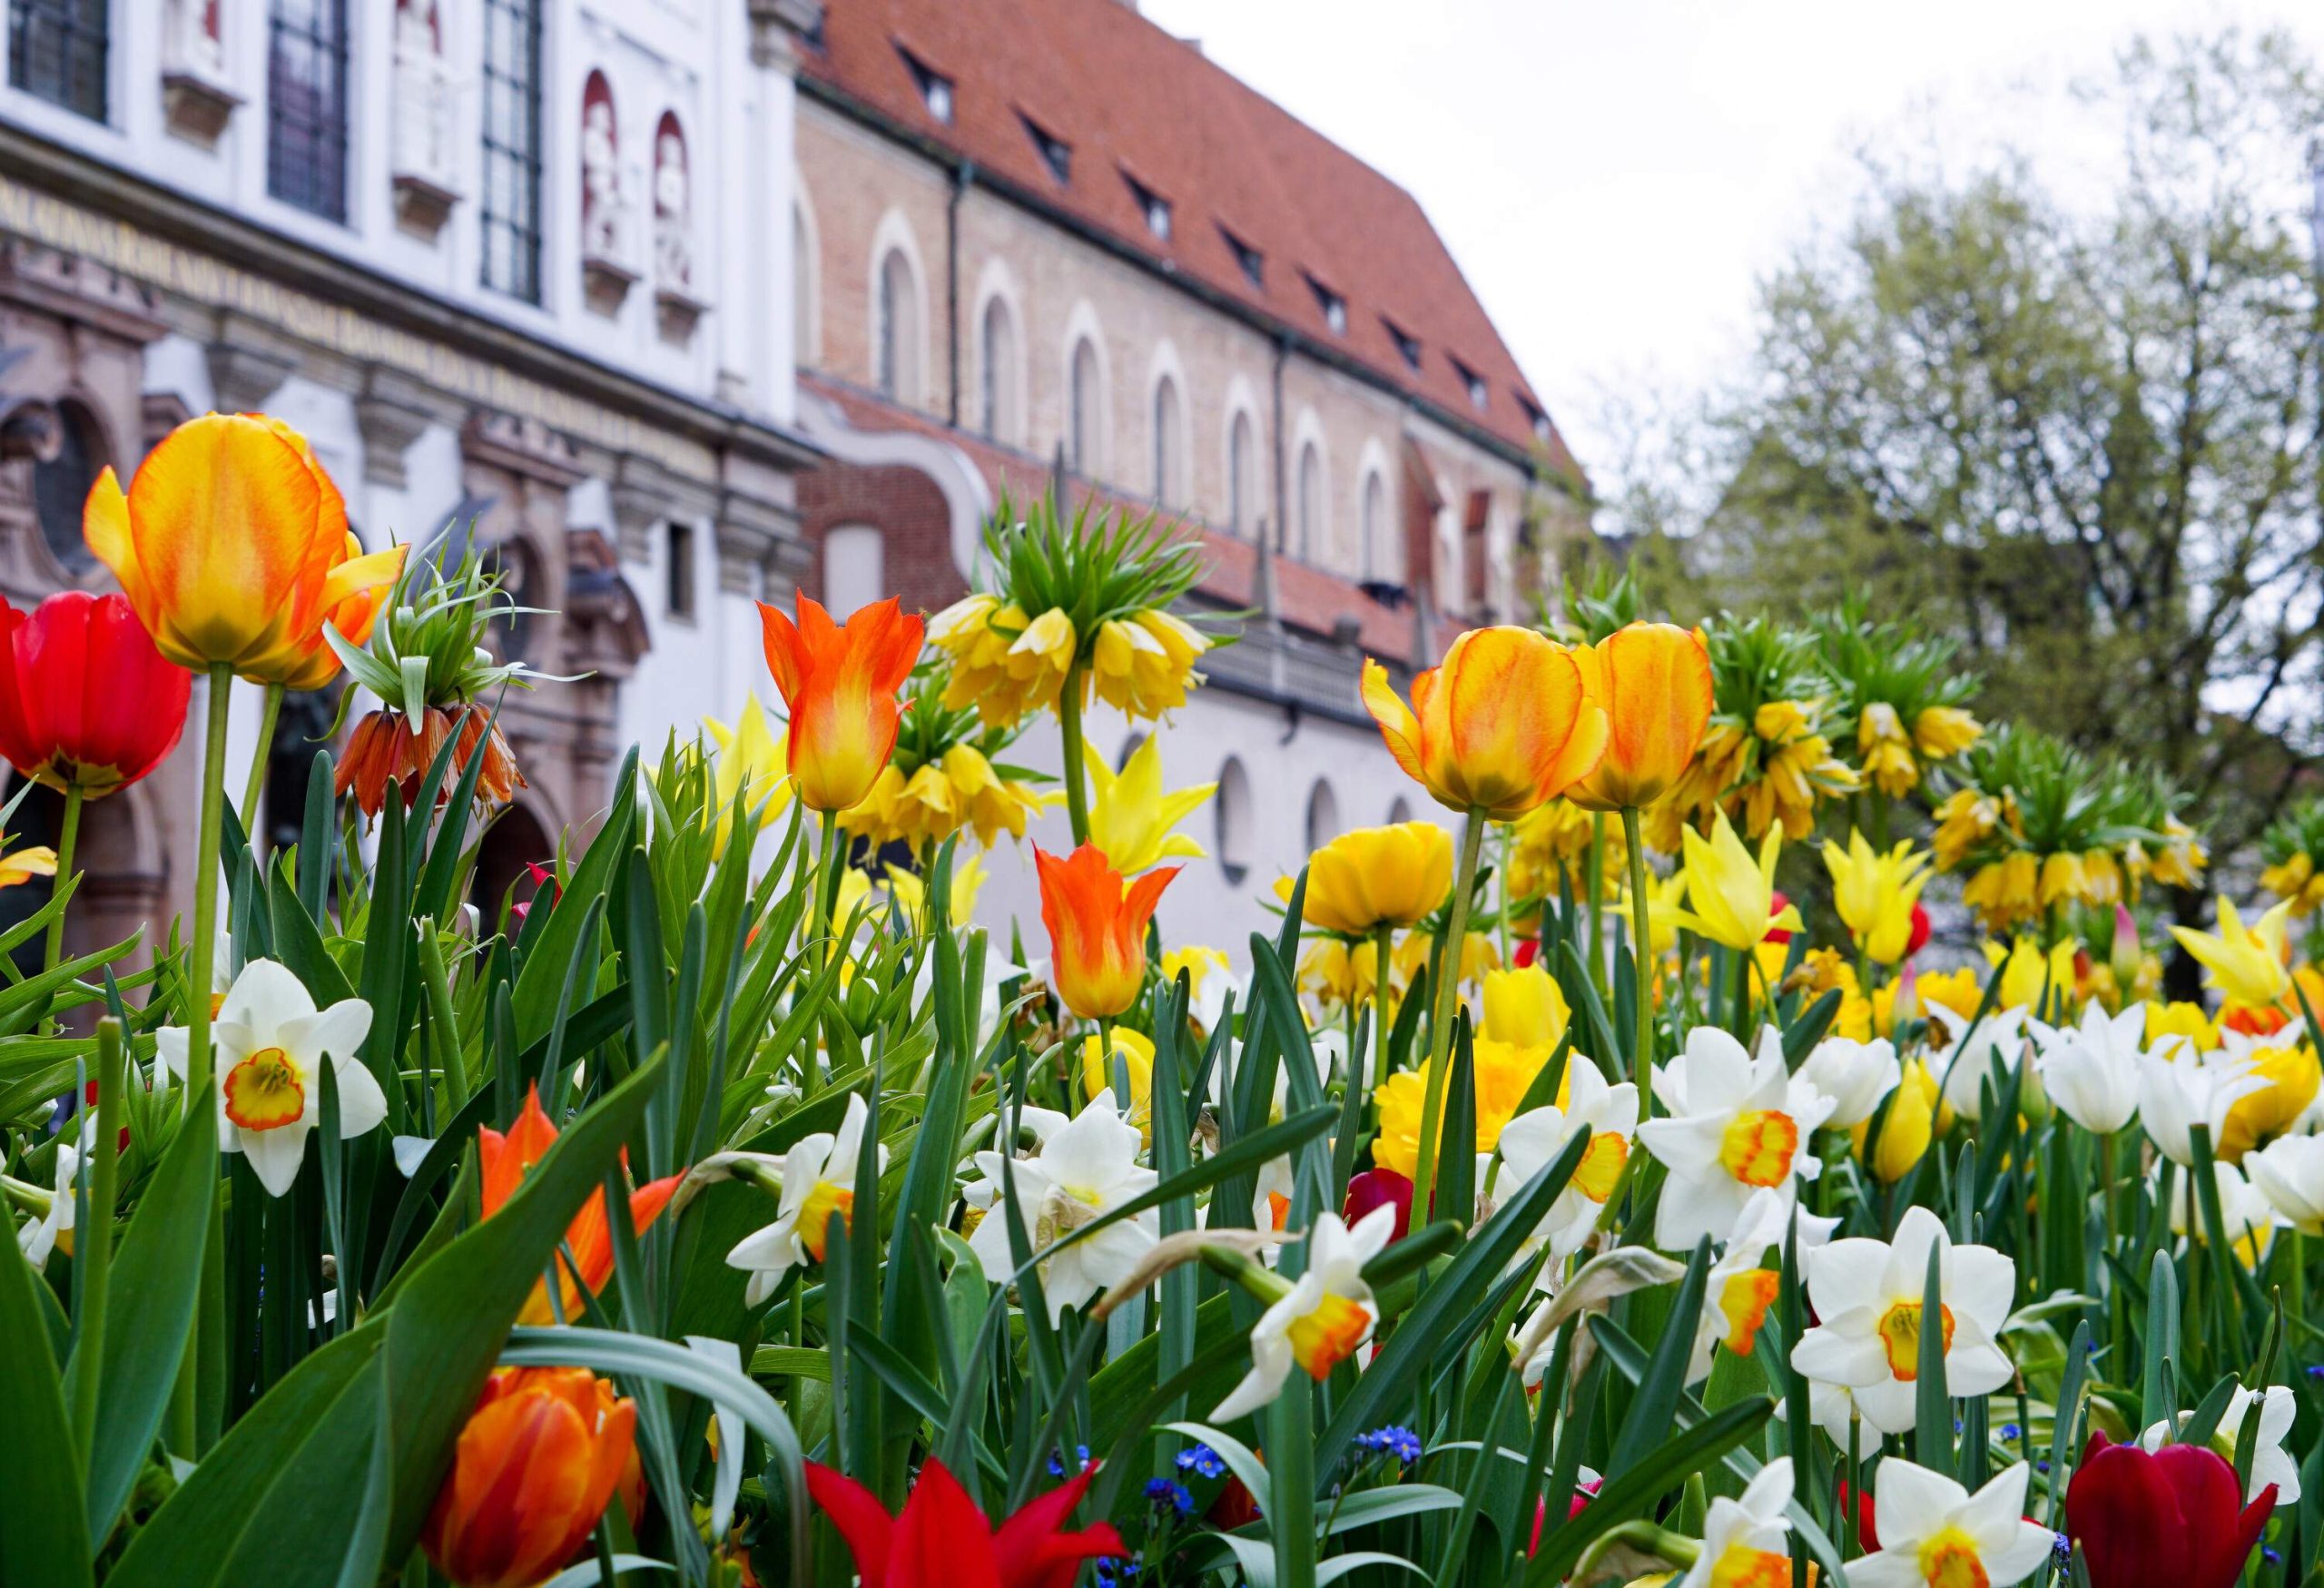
(2091, 1070)
(1533, 1140)
(1934, 1531)
(1319, 1321)
(1965, 1061)
(52, 1231)
(1741, 1285)
(1087, 1167)
(268, 1046)
(1737, 1123)
(818, 1181)
(2180, 1088)
(1869, 1295)
(1039, 1123)
(1855, 1075)
(1747, 1543)
(2289, 1172)
(2270, 1463)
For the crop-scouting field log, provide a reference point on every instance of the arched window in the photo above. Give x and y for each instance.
(802, 288)
(1378, 563)
(61, 484)
(1400, 809)
(899, 329)
(855, 569)
(1081, 434)
(997, 367)
(1168, 443)
(1322, 815)
(1310, 500)
(1242, 476)
(1237, 840)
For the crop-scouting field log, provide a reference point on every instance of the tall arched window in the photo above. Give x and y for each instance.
(1169, 444)
(1377, 562)
(802, 288)
(854, 568)
(1237, 838)
(997, 366)
(1322, 815)
(1242, 479)
(899, 329)
(1081, 432)
(1310, 500)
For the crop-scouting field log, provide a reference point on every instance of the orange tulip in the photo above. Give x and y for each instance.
(233, 545)
(840, 683)
(1653, 679)
(1097, 929)
(534, 1470)
(1505, 724)
(318, 664)
(589, 1238)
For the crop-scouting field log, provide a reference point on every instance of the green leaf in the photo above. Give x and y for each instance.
(2159, 1395)
(1657, 1401)
(156, 1283)
(43, 1518)
(1932, 1408)
(1635, 1493)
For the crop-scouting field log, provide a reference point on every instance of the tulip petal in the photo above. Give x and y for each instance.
(862, 1522)
(1399, 729)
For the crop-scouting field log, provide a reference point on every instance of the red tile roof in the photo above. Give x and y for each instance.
(1306, 598)
(1133, 101)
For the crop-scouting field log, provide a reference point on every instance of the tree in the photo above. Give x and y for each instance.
(2080, 432)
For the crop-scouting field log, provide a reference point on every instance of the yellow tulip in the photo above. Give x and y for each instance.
(2245, 963)
(1503, 725)
(1525, 1007)
(1503, 1072)
(1653, 681)
(2293, 1077)
(1132, 1051)
(2027, 974)
(1874, 894)
(232, 543)
(750, 762)
(1908, 1127)
(1379, 876)
(1731, 895)
(1665, 901)
(1130, 816)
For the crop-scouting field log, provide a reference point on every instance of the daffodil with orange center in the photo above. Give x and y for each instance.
(506, 1160)
(1586, 1106)
(1746, 1542)
(1505, 723)
(1317, 1323)
(232, 543)
(1745, 1279)
(1739, 1122)
(1097, 925)
(838, 684)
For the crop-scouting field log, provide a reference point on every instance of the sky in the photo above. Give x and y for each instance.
(1615, 178)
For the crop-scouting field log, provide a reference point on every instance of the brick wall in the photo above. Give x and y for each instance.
(904, 505)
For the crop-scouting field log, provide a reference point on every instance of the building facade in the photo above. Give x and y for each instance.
(522, 265)
(1043, 242)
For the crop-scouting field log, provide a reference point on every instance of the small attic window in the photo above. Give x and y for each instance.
(1535, 417)
(1478, 394)
(1249, 259)
(1407, 344)
(1333, 306)
(1055, 152)
(935, 88)
(1152, 205)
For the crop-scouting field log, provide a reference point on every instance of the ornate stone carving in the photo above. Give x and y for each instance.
(678, 309)
(196, 100)
(606, 275)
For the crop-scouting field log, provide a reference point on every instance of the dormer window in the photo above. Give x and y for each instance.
(1535, 417)
(1474, 383)
(935, 88)
(1333, 306)
(1249, 259)
(1055, 152)
(1152, 205)
(1407, 344)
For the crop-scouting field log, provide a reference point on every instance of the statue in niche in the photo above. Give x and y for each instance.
(672, 207)
(422, 95)
(601, 200)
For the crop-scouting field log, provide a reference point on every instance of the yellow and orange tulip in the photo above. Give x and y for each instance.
(539, 1460)
(839, 682)
(232, 543)
(1097, 925)
(1504, 724)
(506, 1160)
(1653, 680)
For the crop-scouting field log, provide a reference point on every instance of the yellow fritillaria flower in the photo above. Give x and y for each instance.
(1130, 816)
(1887, 750)
(916, 809)
(1874, 894)
(1004, 664)
(1731, 895)
(750, 762)
(988, 802)
(1943, 731)
(2245, 963)
(910, 891)
(1143, 664)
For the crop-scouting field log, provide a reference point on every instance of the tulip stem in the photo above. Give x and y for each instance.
(1643, 1056)
(68, 836)
(1383, 939)
(92, 1236)
(200, 952)
(1597, 882)
(1076, 776)
(1440, 1027)
(819, 928)
(261, 759)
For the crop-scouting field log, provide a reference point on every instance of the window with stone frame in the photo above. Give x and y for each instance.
(509, 207)
(60, 51)
(306, 119)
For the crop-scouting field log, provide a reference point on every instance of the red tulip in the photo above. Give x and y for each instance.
(1919, 938)
(1866, 1533)
(941, 1536)
(2171, 1518)
(1528, 952)
(1376, 1187)
(85, 700)
(1778, 901)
